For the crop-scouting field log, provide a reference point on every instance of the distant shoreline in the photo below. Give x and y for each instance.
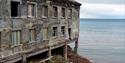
(98, 19)
(110, 20)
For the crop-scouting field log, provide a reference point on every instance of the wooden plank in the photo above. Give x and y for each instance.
(44, 60)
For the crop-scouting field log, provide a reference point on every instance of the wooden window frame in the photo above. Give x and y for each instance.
(63, 11)
(45, 33)
(55, 31)
(31, 38)
(70, 13)
(63, 30)
(44, 11)
(15, 38)
(55, 11)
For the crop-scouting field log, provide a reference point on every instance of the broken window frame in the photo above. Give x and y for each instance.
(63, 30)
(44, 11)
(69, 32)
(16, 37)
(55, 11)
(45, 33)
(32, 35)
(69, 13)
(31, 9)
(18, 8)
(63, 11)
(55, 31)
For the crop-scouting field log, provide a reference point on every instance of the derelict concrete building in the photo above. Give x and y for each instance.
(30, 27)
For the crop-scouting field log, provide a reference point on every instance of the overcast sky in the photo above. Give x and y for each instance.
(106, 9)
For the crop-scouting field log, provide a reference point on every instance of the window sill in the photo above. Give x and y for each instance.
(45, 40)
(44, 17)
(54, 37)
(62, 35)
(16, 29)
(54, 17)
(15, 17)
(31, 16)
(16, 45)
(69, 18)
(32, 41)
(62, 17)
(19, 17)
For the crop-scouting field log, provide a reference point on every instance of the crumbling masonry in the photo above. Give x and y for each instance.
(30, 27)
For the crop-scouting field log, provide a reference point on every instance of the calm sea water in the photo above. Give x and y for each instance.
(102, 40)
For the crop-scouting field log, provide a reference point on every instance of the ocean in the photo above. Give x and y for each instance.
(102, 40)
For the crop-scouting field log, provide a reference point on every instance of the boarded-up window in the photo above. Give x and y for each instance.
(31, 10)
(63, 30)
(23, 10)
(55, 12)
(63, 12)
(70, 13)
(45, 11)
(55, 31)
(45, 33)
(16, 37)
(32, 34)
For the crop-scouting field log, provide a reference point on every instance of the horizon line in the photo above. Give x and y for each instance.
(102, 18)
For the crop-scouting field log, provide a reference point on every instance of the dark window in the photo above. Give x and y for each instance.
(45, 11)
(54, 31)
(14, 8)
(69, 31)
(63, 30)
(55, 11)
(63, 12)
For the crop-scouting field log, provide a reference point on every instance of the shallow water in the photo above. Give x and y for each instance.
(103, 40)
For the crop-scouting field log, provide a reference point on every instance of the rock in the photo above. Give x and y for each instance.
(58, 58)
(72, 58)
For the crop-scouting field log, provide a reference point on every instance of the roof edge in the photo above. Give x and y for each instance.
(75, 2)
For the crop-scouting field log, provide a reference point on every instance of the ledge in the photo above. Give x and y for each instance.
(18, 56)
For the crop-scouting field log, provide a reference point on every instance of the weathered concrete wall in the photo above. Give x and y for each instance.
(75, 22)
(4, 8)
(43, 26)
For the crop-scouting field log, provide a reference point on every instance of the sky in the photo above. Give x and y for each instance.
(102, 9)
